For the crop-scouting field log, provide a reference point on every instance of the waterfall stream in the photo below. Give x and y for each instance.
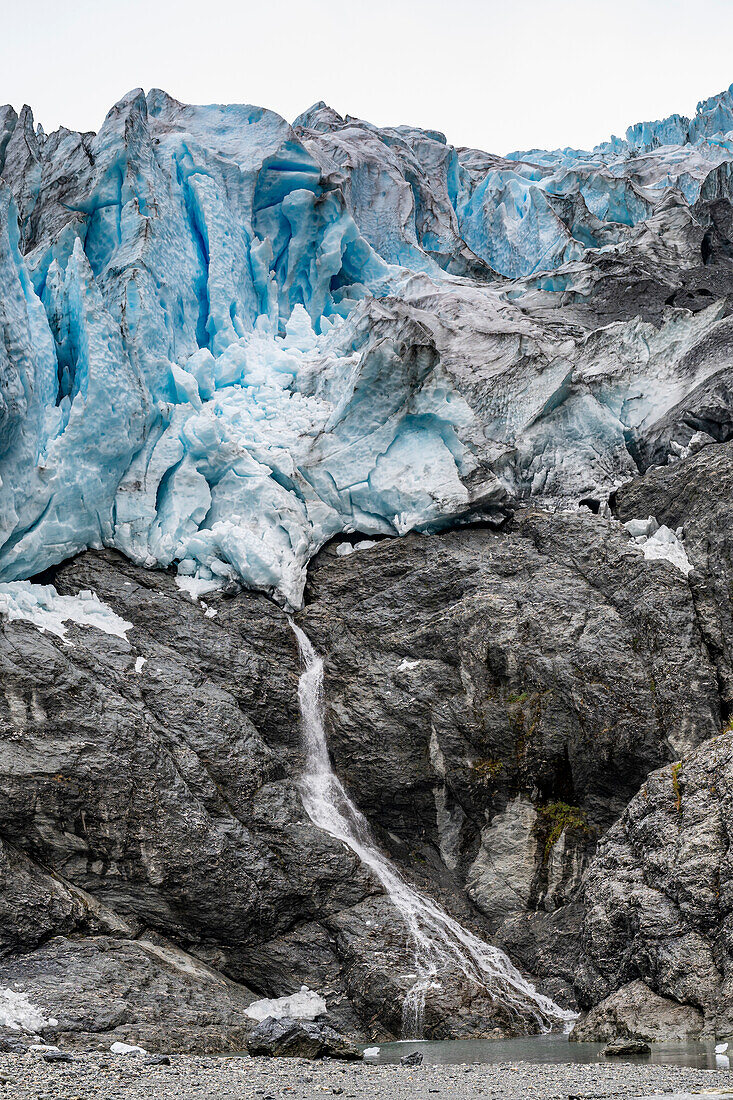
(438, 941)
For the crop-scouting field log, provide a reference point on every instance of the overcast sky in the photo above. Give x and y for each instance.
(496, 74)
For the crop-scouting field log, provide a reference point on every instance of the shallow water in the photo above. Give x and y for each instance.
(544, 1049)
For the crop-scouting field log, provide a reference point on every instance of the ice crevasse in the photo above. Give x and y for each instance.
(226, 340)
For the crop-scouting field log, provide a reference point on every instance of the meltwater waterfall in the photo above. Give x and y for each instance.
(439, 943)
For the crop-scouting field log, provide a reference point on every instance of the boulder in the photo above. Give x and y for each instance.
(10, 1043)
(626, 1046)
(286, 1038)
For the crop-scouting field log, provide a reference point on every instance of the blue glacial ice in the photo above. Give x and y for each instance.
(227, 340)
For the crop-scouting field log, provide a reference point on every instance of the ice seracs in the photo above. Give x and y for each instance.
(227, 340)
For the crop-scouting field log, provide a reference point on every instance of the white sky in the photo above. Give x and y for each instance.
(496, 74)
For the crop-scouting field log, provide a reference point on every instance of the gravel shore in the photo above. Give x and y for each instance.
(108, 1077)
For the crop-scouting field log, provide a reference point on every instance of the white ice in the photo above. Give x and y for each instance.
(18, 1013)
(305, 1005)
(126, 1048)
(42, 605)
(659, 543)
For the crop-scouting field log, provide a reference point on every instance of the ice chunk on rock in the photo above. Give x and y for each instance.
(659, 543)
(197, 587)
(305, 1005)
(19, 1014)
(42, 605)
(127, 1048)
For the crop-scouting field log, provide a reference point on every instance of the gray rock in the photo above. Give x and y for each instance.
(656, 892)
(286, 1038)
(479, 661)
(102, 989)
(636, 1012)
(57, 1056)
(414, 1058)
(655, 896)
(11, 1044)
(117, 787)
(626, 1046)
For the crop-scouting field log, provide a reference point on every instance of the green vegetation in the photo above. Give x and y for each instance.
(557, 818)
(676, 785)
(486, 771)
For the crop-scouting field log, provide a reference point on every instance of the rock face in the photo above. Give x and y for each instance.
(636, 1013)
(163, 802)
(515, 689)
(656, 894)
(495, 699)
(103, 989)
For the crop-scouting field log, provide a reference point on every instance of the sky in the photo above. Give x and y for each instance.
(495, 74)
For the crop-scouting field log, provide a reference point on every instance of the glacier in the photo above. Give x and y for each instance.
(227, 340)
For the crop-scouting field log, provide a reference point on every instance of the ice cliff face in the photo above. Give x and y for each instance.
(227, 340)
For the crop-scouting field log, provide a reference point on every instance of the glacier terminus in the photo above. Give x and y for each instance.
(227, 340)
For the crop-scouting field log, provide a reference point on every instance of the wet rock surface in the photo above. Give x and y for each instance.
(516, 688)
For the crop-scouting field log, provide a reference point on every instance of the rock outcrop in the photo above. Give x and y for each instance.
(494, 698)
(103, 989)
(657, 894)
(637, 1013)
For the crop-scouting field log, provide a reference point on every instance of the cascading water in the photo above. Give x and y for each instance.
(439, 942)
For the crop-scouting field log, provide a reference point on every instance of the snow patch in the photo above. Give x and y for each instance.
(196, 587)
(139, 664)
(19, 1014)
(407, 665)
(127, 1048)
(305, 1005)
(659, 543)
(42, 605)
(345, 548)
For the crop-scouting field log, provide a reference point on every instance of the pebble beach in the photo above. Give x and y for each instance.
(109, 1077)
